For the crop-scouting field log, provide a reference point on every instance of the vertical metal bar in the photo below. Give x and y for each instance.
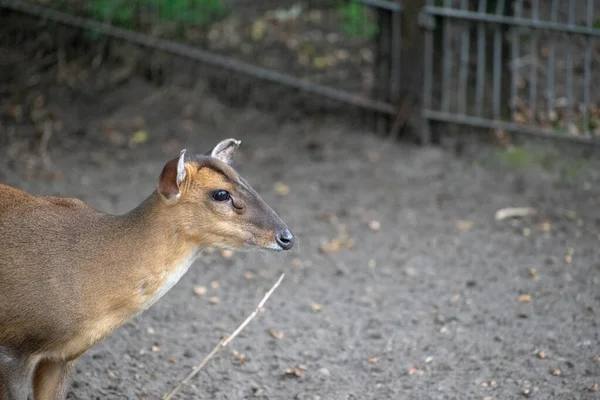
(396, 64)
(516, 51)
(496, 91)
(569, 83)
(551, 62)
(465, 47)
(587, 71)
(533, 50)
(447, 61)
(427, 78)
(480, 78)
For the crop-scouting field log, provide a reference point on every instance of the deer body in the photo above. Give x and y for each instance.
(71, 275)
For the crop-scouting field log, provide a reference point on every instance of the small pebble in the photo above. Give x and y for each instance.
(541, 354)
(375, 225)
(200, 290)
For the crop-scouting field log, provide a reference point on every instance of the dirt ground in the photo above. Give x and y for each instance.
(434, 300)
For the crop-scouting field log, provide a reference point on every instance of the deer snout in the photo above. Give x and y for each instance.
(285, 239)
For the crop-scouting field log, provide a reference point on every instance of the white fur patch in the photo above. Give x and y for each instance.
(274, 246)
(171, 278)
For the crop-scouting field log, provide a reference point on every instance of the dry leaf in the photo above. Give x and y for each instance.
(520, 117)
(545, 226)
(297, 263)
(556, 372)
(139, 137)
(491, 383)
(257, 32)
(283, 15)
(414, 369)
(200, 290)
(294, 372)
(330, 247)
(319, 62)
(569, 255)
(172, 360)
(533, 272)
(464, 225)
(343, 242)
(248, 275)
(241, 357)
(525, 298)
(373, 360)
(111, 374)
(593, 388)
(281, 189)
(275, 333)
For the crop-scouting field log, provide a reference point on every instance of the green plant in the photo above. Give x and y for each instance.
(517, 157)
(116, 12)
(122, 12)
(521, 157)
(199, 12)
(356, 21)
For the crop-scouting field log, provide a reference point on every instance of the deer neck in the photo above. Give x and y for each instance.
(158, 254)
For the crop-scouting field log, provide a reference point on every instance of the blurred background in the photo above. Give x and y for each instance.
(394, 137)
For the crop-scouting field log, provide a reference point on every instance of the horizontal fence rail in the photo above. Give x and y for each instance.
(513, 66)
(380, 102)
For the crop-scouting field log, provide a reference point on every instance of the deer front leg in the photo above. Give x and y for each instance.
(15, 372)
(52, 379)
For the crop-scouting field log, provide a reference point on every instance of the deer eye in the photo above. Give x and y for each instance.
(221, 195)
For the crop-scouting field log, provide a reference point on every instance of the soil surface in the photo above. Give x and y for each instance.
(402, 286)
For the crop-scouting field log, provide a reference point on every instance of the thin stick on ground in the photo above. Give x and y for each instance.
(224, 342)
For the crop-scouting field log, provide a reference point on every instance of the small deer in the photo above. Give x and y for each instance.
(70, 275)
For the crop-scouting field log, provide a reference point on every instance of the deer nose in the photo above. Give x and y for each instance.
(285, 239)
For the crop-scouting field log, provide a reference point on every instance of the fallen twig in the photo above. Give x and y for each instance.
(224, 342)
(514, 212)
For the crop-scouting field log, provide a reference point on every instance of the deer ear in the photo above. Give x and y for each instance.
(171, 177)
(225, 150)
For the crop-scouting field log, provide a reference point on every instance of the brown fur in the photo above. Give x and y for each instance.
(70, 275)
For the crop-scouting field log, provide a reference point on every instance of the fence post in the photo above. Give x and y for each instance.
(383, 56)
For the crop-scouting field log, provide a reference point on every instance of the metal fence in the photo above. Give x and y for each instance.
(520, 66)
(508, 65)
(344, 50)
